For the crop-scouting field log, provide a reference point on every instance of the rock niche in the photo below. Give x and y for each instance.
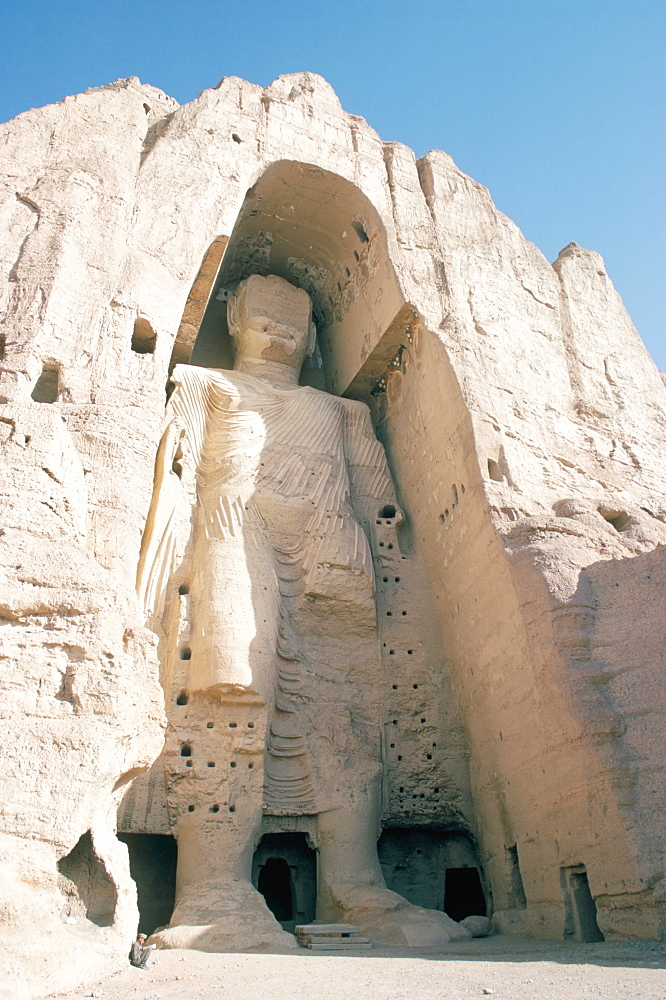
(332, 546)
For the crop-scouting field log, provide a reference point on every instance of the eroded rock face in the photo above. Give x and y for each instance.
(82, 713)
(518, 641)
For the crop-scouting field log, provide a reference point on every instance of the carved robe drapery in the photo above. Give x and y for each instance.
(275, 491)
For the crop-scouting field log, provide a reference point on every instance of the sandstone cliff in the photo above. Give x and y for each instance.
(524, 423)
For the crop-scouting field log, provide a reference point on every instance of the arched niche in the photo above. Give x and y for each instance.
(321, 233)
(437, 869)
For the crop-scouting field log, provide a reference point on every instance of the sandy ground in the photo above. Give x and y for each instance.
(506, 968)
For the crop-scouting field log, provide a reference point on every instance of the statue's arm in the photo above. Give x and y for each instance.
(371, 484)
(158, 542)
(183, 437)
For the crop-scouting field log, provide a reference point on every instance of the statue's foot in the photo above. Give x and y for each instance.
(229, 917)
(389, 920)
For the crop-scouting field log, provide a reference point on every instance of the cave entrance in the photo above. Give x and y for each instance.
(284, 871)
(580, 909)
(274, 884)
(433, 868)
(152, 859)
(463, 893)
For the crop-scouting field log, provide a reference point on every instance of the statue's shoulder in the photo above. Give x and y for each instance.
(356, 411)
(193, 375)
(355, 406)
(353, 409)
(185, 371)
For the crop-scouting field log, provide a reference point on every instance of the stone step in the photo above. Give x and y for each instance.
(338, 944)
(326, 929)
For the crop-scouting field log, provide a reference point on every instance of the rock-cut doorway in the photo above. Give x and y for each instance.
(284, 871)
(153, 859)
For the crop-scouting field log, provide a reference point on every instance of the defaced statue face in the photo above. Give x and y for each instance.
(271, 320)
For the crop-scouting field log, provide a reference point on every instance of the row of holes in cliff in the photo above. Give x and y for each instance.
(395, 687)
(183, 699)
(386, 517)
(425, 754)
(186, 751)
(404, 800)
(215, 808)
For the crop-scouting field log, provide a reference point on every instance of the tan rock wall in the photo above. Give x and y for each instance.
(81, 709)
(528, 387)
(547, 376)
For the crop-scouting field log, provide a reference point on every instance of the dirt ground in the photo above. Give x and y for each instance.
(507, 968)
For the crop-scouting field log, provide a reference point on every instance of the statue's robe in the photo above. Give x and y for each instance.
(286, 485)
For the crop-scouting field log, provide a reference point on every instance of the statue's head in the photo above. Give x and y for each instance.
(271, 320)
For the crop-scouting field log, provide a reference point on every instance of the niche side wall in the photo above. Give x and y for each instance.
(543, 794)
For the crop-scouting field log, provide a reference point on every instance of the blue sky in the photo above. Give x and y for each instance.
(556, 105)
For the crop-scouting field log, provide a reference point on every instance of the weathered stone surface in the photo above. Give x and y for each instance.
(520, 705)
(477, 926)
(81, 714)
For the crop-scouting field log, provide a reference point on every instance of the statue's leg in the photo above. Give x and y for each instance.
(217, 908)
(347, 708)
(215, 758)
(235, 615)
(351, 886)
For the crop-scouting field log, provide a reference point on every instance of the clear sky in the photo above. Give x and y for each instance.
(556, 105)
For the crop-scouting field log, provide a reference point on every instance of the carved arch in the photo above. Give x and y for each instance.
(319, 231)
